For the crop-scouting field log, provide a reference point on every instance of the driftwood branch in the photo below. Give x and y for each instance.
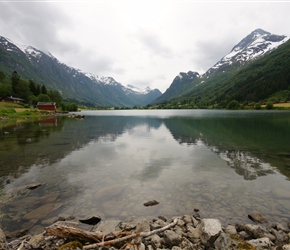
(135, 235)
(64, 231)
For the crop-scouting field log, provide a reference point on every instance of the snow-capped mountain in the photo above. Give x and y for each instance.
(256, 44)
(74, 84)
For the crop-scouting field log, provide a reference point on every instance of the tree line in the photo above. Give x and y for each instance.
(31, 92)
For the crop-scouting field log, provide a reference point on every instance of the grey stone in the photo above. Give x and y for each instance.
(286, 247)
(270, 236)
(187, 219)
(143, 226)
(279, 235)
(210, 229)
(255, 231)
(257, 218)
(195, 222)
(128, 224)
(176, 248)
(161, 217)
(230, 229)
(186, 244)
(180, 223)
(261, 242)
(41, 211)
(141, 247)
(243, 235)
(149, 247)
(2, 236)
(171, 238)
(178, 230)
(107, 226)
(37, 240)
(158, 224)
(193, 233)
(156, 241)
(279, 226)
(3, 243)
(224, 241)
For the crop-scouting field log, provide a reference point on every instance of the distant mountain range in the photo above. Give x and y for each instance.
(252, 59)
(74, 85)
(256, 69)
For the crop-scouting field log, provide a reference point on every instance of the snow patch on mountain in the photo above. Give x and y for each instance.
(29, 51)
(135, 90)
(101, 79)
(256, 44)
(129, 89)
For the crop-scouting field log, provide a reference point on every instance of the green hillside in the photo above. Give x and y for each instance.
(262, 80)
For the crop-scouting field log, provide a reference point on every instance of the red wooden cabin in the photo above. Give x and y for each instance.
(50, 106)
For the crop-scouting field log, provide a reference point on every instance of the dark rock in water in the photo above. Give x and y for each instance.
(257, 218)
(77, 116)
(151, 203)
(196, 210)
(34, 186)
(17, 233)
(41, 211)
(91, 221)
(161, 217)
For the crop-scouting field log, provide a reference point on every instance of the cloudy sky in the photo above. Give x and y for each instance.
(143, 43)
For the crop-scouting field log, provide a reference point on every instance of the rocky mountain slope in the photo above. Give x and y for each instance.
(74, 85)
(256, 45)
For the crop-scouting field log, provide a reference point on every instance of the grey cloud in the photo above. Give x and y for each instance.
(34, 24)
(207, 53)
(152, 43)
(97, 64)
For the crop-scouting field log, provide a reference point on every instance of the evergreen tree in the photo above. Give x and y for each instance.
(32, 87)
(38, 90)
(43, 90)
(15, 80)
(2, 76)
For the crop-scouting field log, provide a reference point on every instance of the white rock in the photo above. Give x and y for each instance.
(210, 229)
(261, 242)
(286, 247)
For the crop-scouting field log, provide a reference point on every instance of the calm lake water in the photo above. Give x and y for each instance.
(227, 164)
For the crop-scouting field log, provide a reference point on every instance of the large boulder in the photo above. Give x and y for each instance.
(210, 229)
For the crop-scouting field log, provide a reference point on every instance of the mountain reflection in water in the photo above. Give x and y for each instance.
(225, 163)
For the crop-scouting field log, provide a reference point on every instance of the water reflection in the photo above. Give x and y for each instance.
(110, 163)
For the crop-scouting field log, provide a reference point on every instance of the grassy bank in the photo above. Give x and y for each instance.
(11, 113)
(14, 110)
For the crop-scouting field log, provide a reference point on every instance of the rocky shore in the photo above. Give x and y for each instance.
(185, 232)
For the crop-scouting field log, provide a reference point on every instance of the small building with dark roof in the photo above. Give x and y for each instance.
(12, 99)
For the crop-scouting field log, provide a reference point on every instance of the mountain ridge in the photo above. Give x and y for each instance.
(256, 45)
(72, 83)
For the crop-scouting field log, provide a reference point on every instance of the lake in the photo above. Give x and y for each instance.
(227, 164)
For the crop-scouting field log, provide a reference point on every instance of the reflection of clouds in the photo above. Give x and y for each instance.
(153, 169)
(149, 151)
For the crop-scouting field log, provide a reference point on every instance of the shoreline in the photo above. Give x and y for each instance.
(178, 232)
